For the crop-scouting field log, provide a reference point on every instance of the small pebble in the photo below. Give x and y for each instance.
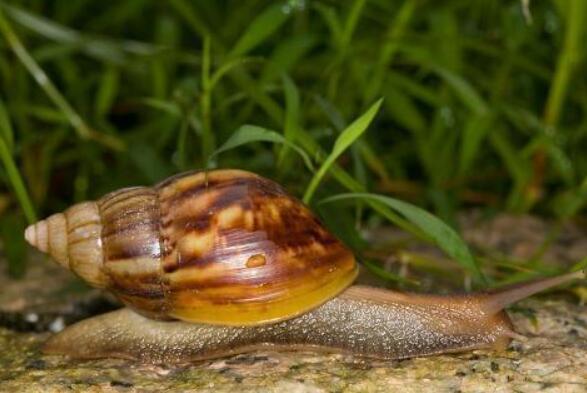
(57, 325)
(31, 317)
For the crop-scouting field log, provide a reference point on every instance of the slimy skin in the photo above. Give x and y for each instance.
(362, 321)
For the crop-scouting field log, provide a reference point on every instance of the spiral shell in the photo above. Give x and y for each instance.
(222, 247)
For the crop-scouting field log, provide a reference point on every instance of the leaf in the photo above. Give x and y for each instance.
(581, 265)
(260, 28)
(466, 92)
(476, 128)
(286, 54)
(58, 99)
(389, 47)
(101, 48)
(344, 140)
(107, 91)
(351, 23)
(16, 182)
(145, 158)
(194, 19)
(403, 109)
(331, 20)
(443, 235)
(14, 247)
(331, 112)
(385, 274)
(569, 202)
(6, 131)
(249, 133)
(348, 182)
(292, 116)
(168, 107)
(227, 67)
(560, 160)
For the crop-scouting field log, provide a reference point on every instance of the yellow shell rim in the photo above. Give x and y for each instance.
(305, 298)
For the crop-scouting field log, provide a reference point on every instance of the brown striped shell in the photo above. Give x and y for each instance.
(223, 247)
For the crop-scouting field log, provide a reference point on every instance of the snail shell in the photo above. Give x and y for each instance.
(222, 247)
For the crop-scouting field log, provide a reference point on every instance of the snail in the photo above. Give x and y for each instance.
(222, 262)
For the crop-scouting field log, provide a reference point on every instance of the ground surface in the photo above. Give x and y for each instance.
(553, 359)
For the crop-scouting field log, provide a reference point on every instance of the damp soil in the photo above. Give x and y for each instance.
(553, 358)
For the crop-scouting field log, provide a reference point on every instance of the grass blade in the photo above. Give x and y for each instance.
(476, 128)
(227, 67)
(261, 28)
(376, 269)
(568, 60)
(292, 116)
(208, 139)
(16, 182)
(100, 48)
(170, 108)
(6, 131)
(469, 96)
(248, 134)
(443, 235)
(193, 18)
(389, 48)
(107, 92)
(14, 247)
(344, 140)
(45, 83)
(351, 24)
(287, 55)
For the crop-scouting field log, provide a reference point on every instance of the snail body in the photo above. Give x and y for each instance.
(239, 265)
(390, 327)
(361, 321)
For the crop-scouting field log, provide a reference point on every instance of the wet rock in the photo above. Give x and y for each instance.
(549, 360)
(48, 298)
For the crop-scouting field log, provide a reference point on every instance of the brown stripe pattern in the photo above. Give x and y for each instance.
(132, 251)
(212, 240)
(214, 222)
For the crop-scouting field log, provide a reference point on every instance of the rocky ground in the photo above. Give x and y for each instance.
(552, 359)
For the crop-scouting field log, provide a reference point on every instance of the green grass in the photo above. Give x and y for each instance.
(481, 107)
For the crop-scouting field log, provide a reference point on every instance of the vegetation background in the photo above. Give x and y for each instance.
(484, 105)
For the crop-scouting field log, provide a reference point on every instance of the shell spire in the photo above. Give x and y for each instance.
(73, 240)
(50, 236)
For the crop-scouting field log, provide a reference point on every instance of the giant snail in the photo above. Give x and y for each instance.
(222, 262)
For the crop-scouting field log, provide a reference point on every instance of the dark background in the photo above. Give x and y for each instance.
(484, 101)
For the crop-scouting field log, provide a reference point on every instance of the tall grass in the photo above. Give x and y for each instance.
(484, 105)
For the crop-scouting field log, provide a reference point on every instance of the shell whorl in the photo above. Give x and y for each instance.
(73, 239)
(132, 248)
(239, 250)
